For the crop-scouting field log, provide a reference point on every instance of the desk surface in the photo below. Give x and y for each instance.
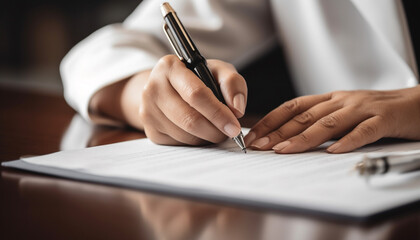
(42, 207)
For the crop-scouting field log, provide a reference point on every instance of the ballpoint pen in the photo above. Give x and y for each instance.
(397, 163)
(188, 53)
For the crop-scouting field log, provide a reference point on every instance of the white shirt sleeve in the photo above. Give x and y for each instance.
(345, 45)
(231, 30)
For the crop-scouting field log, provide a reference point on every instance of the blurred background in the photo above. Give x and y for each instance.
(35, 35)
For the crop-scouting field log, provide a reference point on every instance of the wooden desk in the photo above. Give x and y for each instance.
(42, 207)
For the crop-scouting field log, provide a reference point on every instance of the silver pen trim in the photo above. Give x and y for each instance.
(168, 34)
(167, 9)
(399, 163)
(240, 141)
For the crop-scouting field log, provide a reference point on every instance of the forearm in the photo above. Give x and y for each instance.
(120, 101)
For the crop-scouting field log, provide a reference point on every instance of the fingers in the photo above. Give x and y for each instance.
(170, 134)
(161, 130)
(295, 126)
(194, 92)
(283, 114)
(321, 131)
(186, 118)
(153, 127)
(366, 132)
(177, 107)
(232, 85)
(359, 117)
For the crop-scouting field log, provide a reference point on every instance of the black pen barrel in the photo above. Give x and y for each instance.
(203, 72)
(182, 38)
(191, 56)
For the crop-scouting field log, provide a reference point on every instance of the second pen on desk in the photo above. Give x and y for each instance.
(392, 163)
(189, 54)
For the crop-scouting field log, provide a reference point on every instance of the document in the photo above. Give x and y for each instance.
(312, 181)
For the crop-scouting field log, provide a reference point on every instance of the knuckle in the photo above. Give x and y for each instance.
(338, 97)
(146, 106)
(153, 87)
(303, 137)
(167, 60)
(195, 94)
(142, 113)
(217, 114)
(232, 78)
(339, 94)
(145, 115)
(278, 134)
(384, 112)
(148, 91)
(145, 96)
(386, 120)
(304, 118)
(330, 121)
(367, 130)
(387, 115)
(329, 95)
(189, 121)
(293, 105)
(266, 123)
(351, 139)
(229, 65)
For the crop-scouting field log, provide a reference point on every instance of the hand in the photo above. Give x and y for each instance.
(356, 117)
(176, 107)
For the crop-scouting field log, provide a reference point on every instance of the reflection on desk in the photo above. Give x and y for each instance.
(81, 134)
(64, 209)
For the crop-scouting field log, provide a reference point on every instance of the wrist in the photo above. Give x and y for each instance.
(119, 102)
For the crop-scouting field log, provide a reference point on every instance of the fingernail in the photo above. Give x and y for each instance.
(239, 103)
(232, 130)
(333, 147)
(281, 145)
(261, 142)
(249, 138)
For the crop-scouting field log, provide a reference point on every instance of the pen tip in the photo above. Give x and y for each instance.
(244, 150)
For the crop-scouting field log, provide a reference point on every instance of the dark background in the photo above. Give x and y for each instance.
(36, 35)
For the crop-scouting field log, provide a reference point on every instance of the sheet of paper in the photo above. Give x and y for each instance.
(313, 180)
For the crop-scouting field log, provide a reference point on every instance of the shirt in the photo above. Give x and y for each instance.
(329, 44)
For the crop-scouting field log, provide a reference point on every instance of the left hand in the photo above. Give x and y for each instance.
(356, 117)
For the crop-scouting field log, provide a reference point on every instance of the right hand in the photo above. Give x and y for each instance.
(177, 108)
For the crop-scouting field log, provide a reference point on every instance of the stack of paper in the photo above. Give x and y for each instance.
(314, 181)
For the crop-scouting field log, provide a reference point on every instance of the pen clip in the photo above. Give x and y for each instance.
(172, 41)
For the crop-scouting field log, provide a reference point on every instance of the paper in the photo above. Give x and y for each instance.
(314, 180)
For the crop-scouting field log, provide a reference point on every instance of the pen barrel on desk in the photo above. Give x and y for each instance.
(203, 72)
(403, 164)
